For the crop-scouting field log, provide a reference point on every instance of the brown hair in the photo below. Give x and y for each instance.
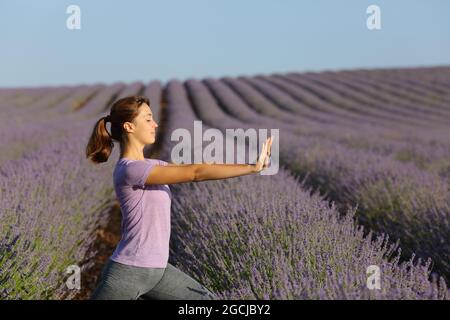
(101, 142)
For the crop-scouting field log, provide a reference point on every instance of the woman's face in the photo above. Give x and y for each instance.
(145, 126)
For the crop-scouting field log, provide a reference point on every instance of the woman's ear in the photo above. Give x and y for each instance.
(128, 126)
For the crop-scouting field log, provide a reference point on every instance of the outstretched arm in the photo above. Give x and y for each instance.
(222, 171)
(179, 173)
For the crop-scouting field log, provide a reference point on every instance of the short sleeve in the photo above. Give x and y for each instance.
(136, 172)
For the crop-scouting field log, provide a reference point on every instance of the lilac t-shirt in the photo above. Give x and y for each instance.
(145, 215)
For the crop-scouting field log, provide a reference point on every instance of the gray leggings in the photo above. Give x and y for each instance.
(124, 282)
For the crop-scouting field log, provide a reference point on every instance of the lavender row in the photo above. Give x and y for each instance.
(296, 92)
(400, 92)
(28, 127)
(291, 245)
(387, 103)
(433, 80)
(243, 101)
(361, 109)
(385, 189)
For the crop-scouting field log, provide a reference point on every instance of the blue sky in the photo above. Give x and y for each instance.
(166, 39)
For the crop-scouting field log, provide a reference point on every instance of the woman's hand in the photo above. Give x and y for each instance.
(264, 157)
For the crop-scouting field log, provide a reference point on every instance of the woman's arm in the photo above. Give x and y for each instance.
(213, 171)
(174, 173)
(222, 171)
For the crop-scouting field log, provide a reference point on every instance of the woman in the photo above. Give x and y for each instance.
(139, 266)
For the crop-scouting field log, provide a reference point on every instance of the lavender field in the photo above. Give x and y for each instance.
(364, 180)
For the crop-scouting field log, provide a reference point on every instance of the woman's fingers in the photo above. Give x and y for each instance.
(264, 157)
(269, 142)
(270, 145)
(267, 155)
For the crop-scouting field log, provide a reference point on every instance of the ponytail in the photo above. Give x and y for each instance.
(100, 143)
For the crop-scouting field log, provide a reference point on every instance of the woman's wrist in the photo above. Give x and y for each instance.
(254, 168)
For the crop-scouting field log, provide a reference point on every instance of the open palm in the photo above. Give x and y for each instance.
(264, 157)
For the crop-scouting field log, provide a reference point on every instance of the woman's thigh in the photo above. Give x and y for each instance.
(176, 285)
(123, 282)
